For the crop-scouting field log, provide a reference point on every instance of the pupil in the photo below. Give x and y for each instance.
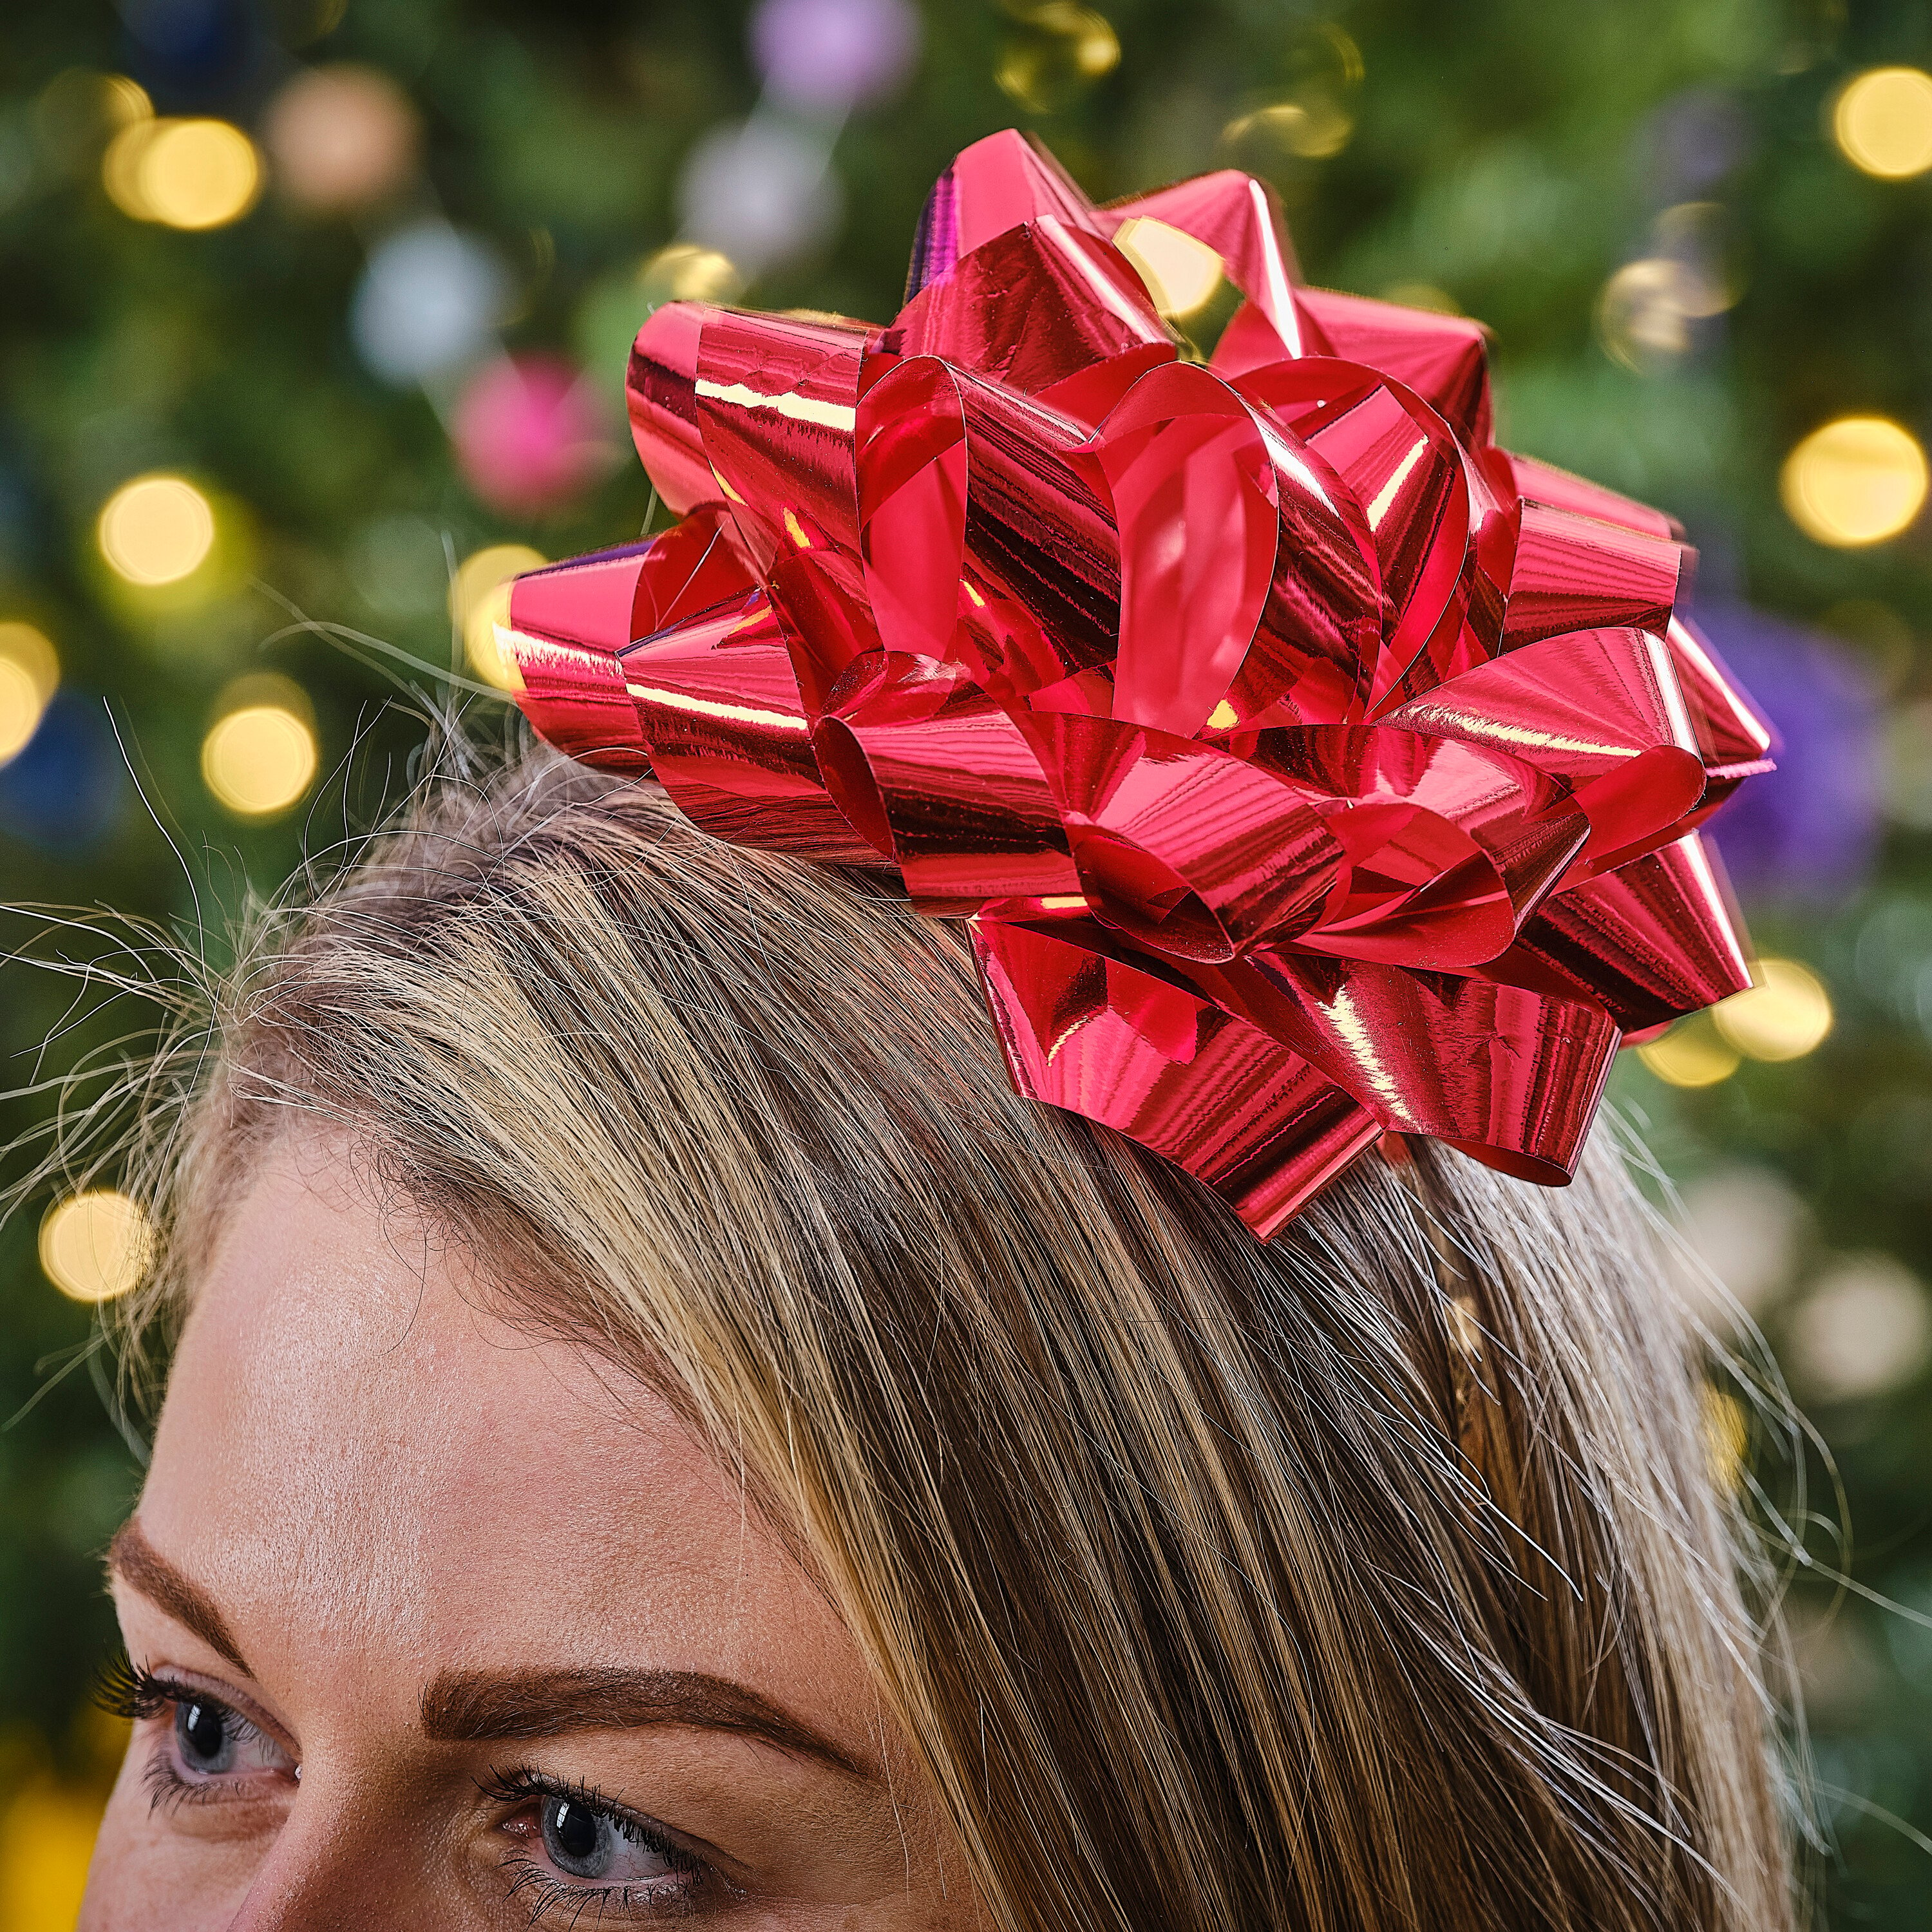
(575, 1837)
(203, 1732)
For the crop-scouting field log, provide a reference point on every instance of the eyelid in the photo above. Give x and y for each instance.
(195, 1683)
(525, 1784)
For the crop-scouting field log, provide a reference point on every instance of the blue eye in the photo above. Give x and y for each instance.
(205, 1733)
(592, 1844)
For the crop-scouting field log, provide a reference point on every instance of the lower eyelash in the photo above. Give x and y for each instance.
(552, 1893)
(168, 1792)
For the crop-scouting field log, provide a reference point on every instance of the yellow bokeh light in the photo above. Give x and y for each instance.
(96, 1245)
(182, 174)
(157, 530)
(685, 272)
(1642, 318)
(1726, 1429)
(29, 677)
(1313, 128)
(260, 755)
(1857, 480)
(1181, 274)
(46, 1837)
(1882, 121)
(479, 601)
(1691, 1054)
(1784, 1017)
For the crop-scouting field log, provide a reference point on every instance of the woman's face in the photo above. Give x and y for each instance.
(435, 1623)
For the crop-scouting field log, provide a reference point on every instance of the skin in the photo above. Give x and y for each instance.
(382, 1527)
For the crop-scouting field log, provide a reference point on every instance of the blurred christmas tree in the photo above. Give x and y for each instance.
(314, 332)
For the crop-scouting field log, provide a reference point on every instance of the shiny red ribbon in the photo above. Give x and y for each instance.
(1305, 766)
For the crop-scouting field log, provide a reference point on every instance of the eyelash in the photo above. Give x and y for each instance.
(524, 1784)
(125, 1689)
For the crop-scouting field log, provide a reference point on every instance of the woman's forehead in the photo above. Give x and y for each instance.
(355, 1451)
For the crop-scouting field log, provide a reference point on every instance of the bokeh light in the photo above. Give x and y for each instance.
(1857, 480)
(29, 677)
(1784, 1017)
(1882, 121)
(479, 600)
(1692, 1054)
(260, 756)
(46, 1839)
(1181, 274)
(1864, 1329)
(1311, 130)
(1642, 319)
(156, 529)
(1063, 50)
(190, 174)
(341, 138)
(96, 1245)
(686, 271)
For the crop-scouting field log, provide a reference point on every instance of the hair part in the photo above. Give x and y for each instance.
(1370, 1578)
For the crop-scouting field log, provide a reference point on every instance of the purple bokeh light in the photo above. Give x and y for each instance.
(1809, 832)
(827, 56)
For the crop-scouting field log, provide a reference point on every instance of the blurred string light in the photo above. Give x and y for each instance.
(686, 271)
(1726, 1430)
(1857, 480)
(1864, 1329)
(190, 174)
(342, 138)
(479, 600)
(1786, 1015)
(96, 1245)
(1882, 121)
(1181, 274)
(1691, 273)
(260, 756)
(156, 529)
(1057, 51)
(1316, 119)
(29, 677)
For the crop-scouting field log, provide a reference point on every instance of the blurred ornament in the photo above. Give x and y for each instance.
(1744, 1223)
(1692, 1054)
(1864, 1329)
(1060, 50)
(182, 174)
(341, 138)
(429, 300)
(97, 1245)
(29, 676)
(64, 791)
(827, 56)
(1882, 121)
(156, 529)
(479, 601)
(1857, 480)
(1808, 831)
(1180, 273)
(260, 756)
(760, 191)
(528, 434)
(1691, 142)
(193, 50)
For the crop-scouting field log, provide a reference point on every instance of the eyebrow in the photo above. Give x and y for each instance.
(142, 1567)
(470, 1707)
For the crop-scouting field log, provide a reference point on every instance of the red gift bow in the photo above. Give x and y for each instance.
(1305, 766)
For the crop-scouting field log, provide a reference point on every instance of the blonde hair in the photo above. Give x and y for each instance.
(1373, 1578)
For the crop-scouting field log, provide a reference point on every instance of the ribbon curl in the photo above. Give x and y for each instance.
(1305, 767)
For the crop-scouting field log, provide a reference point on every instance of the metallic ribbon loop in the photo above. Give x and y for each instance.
(1304, 767)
